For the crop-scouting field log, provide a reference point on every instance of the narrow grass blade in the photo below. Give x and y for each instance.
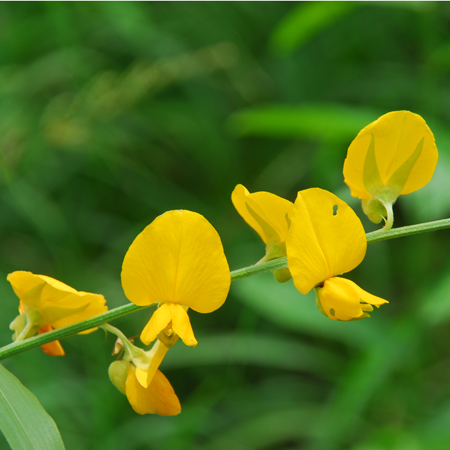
(23, 421)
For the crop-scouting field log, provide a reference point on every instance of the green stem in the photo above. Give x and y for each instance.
(133, 353)
(280, 263)
(380, 235)
(390, 217)
(113, 330)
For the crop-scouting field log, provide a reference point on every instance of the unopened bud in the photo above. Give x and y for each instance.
(282, 275)
(118, 372)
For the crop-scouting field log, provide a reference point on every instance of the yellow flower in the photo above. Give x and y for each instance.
(178, 261)
(137, 376)
(46, 303)
(268, 215)
(395, 155)
(157, 397)
(326, 239)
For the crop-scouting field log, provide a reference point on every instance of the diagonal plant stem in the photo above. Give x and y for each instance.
(279, 263)
(380, 235)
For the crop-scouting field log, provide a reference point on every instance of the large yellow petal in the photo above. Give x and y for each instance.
(158, 398)
(396, 136)
(326, 238)
(341, 299)
(178, 258)
(266, 213)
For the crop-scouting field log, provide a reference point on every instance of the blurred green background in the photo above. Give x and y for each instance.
(112, 113)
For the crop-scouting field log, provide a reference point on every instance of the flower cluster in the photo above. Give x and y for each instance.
(178, 263)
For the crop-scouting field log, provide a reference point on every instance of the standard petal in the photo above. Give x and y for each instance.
(182, 325)
(326, 238)
(178, 258)
(158, 398)
(396, 137)
(159, 320)
(266, 213)
(342, 299)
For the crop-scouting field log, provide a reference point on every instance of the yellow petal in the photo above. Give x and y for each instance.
(156, 354)
(326, 238)
(24, 282)
(166, 313)
(53, 348)
(396, 136)
(178, 258)
(158, 398)
(266, 213)
(366, 297)
(159, 320)
(341, 299)
(182, 326)
(96, 304)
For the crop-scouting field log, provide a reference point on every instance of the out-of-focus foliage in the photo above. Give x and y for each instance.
(114, 112)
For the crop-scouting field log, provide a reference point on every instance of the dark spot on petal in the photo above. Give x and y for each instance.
(335, 208)
(332, 312)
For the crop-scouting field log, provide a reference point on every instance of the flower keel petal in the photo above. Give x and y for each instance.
(159, 320)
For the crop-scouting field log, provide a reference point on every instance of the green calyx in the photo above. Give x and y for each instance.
(275, 251)
(318, 304)
(26, 325)
(135, 354)
(374, 209)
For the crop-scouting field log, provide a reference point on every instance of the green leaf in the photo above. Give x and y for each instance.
(322, 122)
(306, 21)
(260, 350)
(23, 421)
